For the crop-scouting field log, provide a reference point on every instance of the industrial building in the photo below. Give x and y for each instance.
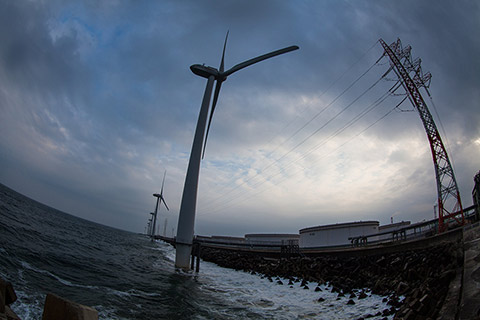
(336, 234)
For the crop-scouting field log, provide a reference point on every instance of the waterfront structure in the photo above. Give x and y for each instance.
(186, 219)
(476, 195)
(222, 239)
(388, 228)
(336, 234)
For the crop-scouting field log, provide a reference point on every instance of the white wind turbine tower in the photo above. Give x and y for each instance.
(186, 219)
(160, 198)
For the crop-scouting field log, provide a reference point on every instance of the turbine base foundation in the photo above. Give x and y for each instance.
(182, 257)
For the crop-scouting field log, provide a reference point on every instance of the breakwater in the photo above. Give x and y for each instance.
(415, 277)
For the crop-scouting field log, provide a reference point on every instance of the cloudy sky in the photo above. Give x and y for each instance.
(97, 100)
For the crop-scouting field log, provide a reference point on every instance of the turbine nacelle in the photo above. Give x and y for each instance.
(205, 71)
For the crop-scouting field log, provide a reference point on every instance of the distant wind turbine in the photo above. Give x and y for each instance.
(160, 198)
(149, 226)
(186, 219)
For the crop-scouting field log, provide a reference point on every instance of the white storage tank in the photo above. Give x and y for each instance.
(336, 234)
(272, 238)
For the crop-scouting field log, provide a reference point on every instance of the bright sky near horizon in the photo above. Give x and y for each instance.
(97, 100)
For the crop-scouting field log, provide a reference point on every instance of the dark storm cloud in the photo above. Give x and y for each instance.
(97, 98)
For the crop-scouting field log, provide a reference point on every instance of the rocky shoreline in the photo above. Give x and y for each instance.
(421, 276)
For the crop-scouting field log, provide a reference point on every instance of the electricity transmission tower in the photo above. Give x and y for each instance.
(449, 202)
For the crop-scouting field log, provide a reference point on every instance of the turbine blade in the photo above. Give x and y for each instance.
(163, 182)
(258, 59)
(163, 199)
(222, 63)
(215, 99)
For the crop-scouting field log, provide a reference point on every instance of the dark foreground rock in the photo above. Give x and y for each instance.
(422, 276)
(60, 308)
(56, 308)
(7, 297)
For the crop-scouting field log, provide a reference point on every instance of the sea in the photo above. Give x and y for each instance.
(125, 275)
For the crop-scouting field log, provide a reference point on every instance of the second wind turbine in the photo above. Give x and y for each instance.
(160, 199)
(186, 219)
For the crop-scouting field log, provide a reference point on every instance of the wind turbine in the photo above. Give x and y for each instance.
(160, 198)
(186, 219)
(150, 233)
(149, 226)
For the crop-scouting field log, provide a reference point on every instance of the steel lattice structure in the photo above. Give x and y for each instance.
(449, 202)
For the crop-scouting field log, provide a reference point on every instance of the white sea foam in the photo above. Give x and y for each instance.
(28, 306)
(140, 293)
(107, 312)
(269, 299)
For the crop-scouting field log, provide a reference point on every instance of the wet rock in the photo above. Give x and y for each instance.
(321, 299)
(402, 287)
(394, 301)
(279, 282)
(317, 289)
(410, 315)
(362, 295)
(350, 302)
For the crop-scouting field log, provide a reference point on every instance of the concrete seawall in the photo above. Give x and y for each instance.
(470, 289)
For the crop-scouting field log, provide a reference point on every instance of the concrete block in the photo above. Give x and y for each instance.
(58, 308)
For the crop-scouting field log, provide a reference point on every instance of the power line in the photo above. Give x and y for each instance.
(368, 109)
(313, 118)
(324, 156)
(323, 93)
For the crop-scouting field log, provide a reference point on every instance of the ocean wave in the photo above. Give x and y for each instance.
(28, 266)
(132, 293)
(107, 312)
